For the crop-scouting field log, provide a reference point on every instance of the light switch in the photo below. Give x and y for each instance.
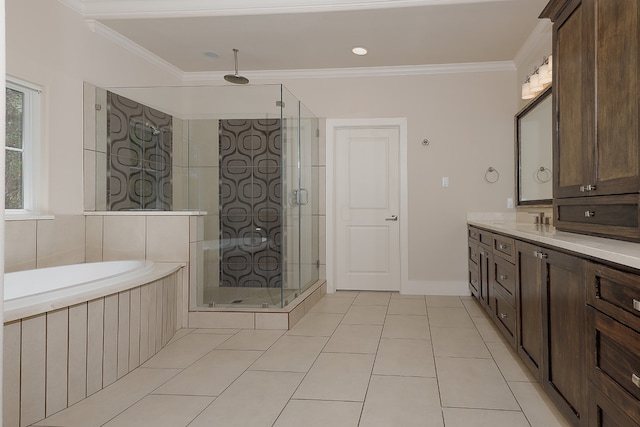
(445, 181)
(509, 202)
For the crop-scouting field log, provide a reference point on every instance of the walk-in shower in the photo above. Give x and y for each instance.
(244, 157)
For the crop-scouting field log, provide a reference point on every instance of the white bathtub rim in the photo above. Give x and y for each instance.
(32, 305)
(134, 268)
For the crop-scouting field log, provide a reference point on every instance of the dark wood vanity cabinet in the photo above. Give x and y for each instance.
(538, 302)
(563, 320)
(480, 259)
(551, 325)
(502, 278)
(613, 356)
(596, 48)
(529, 307)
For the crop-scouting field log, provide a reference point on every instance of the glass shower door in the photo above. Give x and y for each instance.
(308, 188)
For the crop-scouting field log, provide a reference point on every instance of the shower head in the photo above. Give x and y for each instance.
(236, 78)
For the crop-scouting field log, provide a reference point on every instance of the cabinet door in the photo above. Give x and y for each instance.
(529, 307)
(573, 141)
(564, 322)
(486, 264)
(616, 85)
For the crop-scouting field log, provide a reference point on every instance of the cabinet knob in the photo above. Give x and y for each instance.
(589, 214)
(503, 247)
(540, 255)
(503, 277)
(635, 380)
(504, 316)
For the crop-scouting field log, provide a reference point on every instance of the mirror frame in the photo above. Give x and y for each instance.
(523, 112)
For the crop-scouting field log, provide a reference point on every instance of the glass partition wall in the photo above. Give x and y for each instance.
(244, 157)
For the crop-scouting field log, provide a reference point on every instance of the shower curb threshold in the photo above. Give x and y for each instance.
(259, 318)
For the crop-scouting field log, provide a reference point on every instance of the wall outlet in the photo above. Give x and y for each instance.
(445, 181)
(509, 202)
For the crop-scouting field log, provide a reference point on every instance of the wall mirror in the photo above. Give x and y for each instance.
(533, 130)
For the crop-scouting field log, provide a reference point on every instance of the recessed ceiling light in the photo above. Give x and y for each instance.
(211, 54)
(359, 51)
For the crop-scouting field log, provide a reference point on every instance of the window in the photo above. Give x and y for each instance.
(21, 145)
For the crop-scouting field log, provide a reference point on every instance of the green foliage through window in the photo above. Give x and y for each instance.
(14, 146)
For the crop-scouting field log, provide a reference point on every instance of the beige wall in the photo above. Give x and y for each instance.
(50, 45)
(468, 118)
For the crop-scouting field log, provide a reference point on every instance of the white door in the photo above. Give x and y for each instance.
(367, 207)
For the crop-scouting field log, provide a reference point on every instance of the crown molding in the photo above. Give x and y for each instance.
(122, 9)
(405, 70)
(537, 40)
(134, 48)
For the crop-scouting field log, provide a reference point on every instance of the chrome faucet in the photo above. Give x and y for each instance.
(539, 217)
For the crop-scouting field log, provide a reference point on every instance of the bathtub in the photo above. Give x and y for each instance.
(70, 331)
(31, 292)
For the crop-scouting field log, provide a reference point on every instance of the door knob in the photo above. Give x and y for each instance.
(392, 218)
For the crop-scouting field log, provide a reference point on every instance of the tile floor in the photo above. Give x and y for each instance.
(358, 359)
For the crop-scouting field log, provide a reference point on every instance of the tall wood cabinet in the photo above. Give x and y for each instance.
(597, 116)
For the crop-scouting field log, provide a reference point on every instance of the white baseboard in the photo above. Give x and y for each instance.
(414, 287)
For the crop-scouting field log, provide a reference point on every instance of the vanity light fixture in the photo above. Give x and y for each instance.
(360, 51)
(538, 80)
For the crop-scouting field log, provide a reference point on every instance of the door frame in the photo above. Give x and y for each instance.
(331, 126)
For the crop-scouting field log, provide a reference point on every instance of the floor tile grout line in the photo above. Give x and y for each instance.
(435, 366)
(373, 365)
(310, 367)
(498, 366)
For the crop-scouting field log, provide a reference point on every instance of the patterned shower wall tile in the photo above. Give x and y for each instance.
(139, 147)
(232, 131)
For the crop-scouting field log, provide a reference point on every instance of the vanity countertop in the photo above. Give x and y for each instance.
(617, 251)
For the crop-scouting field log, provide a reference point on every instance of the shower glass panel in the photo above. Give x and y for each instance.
(309, 181)
(244, 157)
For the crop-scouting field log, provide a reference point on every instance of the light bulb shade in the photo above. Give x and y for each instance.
(545, 75)
(534, 83)
(526, 92)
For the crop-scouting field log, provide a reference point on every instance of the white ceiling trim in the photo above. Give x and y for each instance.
(123, 9)
(404, 70)
(134, 48)
(540, 36)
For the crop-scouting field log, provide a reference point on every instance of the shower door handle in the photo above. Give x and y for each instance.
(301, 197)
(392, 218)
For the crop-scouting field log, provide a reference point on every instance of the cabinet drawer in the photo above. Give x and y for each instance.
(505, 316)
(504, 279)
(625, 215)
(485, 238)
(614, 292)
(604, 413)
(504, 247)
(474, 253)
(614, 360)
(473, 233)
(600, 215)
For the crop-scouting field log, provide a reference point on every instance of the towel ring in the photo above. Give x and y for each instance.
(543, 175)
(491, 170)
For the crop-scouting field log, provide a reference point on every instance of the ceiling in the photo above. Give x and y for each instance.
(314, 34)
